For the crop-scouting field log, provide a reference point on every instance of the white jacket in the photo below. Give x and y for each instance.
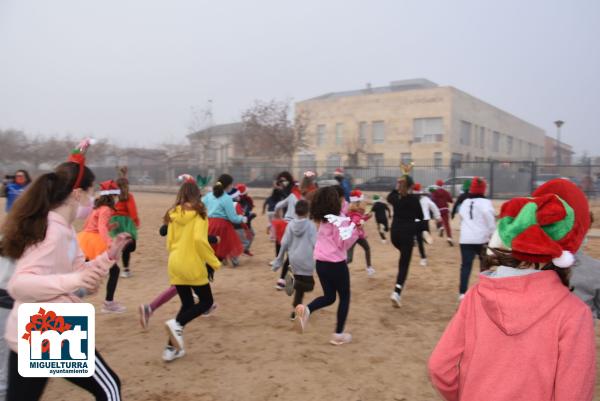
(478, 221)
(429, 208)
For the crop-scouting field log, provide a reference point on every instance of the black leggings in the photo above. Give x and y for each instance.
(403, 237)
(382, 228)
(302, 284)
(422, 226)
(364, 245)
(104, 384)
(111, 284)
(468, 253)
(127, 251)
(189, 310)
(335, 278)
(286, 264)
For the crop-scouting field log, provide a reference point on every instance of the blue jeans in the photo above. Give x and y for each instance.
(468, 252)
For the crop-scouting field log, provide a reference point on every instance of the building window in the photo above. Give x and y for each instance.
(465, 133)
(437, 159)
(456, 158)
(378, 132)
(339, 134)
(374, 159)
(362, 133)
(307, 161)
(481, 138)
(509, 144)
(495, 141)
(405, 157)
(428, 129)
(321, 135)
(334, 160)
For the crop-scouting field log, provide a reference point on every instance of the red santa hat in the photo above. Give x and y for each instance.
(339, 172)
(242, 189)
(478, 186)
(356, 196)
(439, 183)
(186, 179)
(548, 227)
(417, 187)
(109, 187)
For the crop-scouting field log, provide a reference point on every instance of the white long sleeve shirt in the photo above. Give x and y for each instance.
(478, 221)
(429, 208)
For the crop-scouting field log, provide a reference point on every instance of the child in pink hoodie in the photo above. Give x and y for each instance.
(50, 266)
(519, 334)
(334, 237)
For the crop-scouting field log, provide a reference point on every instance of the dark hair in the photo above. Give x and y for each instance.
(123, 184)
(223, 182)
(340, 191)
(188, 198)
(302, 208)
(27, 222)
(405, 183)
(501, 257)
(326, 201)
(105, 200)
(289, 178)
(26, 174)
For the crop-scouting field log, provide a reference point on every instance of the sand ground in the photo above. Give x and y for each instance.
(248, 350)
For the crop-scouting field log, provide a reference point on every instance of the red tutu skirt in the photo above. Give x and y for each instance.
(230, 245)
(279, 226)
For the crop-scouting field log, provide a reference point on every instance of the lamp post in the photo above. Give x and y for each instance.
(558, 124)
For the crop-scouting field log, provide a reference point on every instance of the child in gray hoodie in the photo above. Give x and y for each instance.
(299, 242)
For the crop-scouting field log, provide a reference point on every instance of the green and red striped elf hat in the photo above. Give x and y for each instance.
(548, 227)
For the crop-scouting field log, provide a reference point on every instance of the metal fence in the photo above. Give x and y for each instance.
(505, 179)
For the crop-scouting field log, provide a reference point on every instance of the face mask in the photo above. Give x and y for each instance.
(84, 211)
(20, 180)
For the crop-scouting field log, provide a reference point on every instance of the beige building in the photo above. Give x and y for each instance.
(413, 120)
(551, 149)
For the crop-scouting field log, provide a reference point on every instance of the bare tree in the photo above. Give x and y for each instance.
(171, 155)
(354, 148)
(270, 132)
(51, 151)
(13, 145)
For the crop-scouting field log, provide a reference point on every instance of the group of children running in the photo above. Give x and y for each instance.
(519, 324)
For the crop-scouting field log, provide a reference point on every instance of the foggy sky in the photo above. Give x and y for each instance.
(131, 70)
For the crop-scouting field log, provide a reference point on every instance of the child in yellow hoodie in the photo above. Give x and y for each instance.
(189, 254)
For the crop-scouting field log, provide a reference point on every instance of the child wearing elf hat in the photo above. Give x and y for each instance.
(95, 239)
(357, 212)
(520, 334)
(382, 213)
(429, 210)
(478, 222)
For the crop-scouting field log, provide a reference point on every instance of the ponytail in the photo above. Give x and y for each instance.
(27, 222)
(223, 182)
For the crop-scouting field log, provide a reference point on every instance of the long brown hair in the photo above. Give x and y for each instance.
(501, 257)
(123, 184)
(27, 222)
(326, 201)
(188, 198)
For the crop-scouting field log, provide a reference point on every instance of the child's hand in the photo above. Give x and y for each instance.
(90, 279)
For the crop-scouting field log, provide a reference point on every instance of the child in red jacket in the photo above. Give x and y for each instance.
(125, 220)
(519, 334)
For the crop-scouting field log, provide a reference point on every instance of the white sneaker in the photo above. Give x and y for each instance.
(302, 315)
(145, 313)
(423, 262)
(427, 237)
(170, 353)
(461, 297)
(370, 271)
(340, 339)
(126, 274)
(280, 284)
(175, 331)
(196, 298)
(450, 241)
(395, 297)
(383, 241)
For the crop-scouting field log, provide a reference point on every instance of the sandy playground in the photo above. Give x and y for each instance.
(248, 350)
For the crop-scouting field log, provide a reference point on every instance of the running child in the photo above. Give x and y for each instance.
(269, 208)
(442, 200)
(520, 334)
(95, 239)
(125, 219)
(299, 243)
(246, 204)
(429, 210)
(334, 237)
(382, 214)
(189, 253)
(357, 212)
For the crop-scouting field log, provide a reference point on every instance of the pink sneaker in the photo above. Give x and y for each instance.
(340, 338)
(113, 307)
(145, 312)
(302, 315)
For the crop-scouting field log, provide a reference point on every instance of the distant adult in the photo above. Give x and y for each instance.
(343, 182)
(16, 188)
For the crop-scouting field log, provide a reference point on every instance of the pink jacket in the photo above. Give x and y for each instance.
(45, 272)
(519, 338)
(330, 247)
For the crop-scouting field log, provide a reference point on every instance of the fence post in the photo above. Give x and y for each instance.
(492, 162)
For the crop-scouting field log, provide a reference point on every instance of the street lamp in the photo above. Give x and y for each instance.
(558, 124)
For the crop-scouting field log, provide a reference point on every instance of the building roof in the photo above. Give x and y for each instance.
(394, 86)
(219, 130)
